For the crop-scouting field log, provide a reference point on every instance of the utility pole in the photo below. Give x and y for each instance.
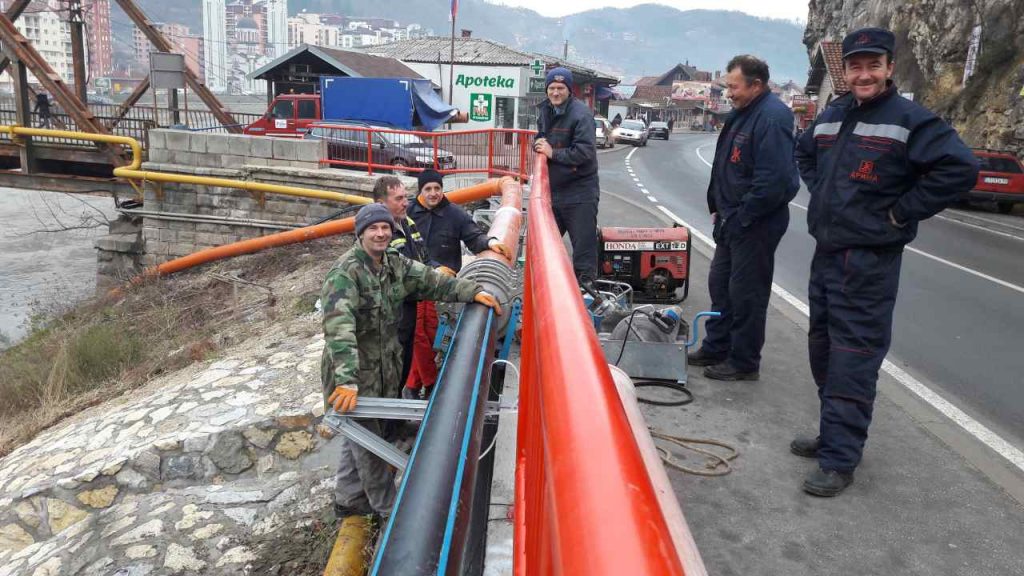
(565, 50)
(77, 23)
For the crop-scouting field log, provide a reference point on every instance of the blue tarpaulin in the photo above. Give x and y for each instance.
(403, 103)
(431, 111)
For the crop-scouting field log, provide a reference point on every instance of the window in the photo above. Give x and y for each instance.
(994, 164)
(307, 109)
(283, 109)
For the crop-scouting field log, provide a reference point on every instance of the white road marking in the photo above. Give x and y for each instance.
(979, 227)
(975, 216)
(976, 429)
(971, 271)
(652, 199)
(701, 156)
(630, 155)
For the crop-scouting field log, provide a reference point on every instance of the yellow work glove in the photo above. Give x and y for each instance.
(500, 248)
(446, 271)
(343, 398)
(489, 301)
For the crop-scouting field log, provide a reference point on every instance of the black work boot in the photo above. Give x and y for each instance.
(827, 483)
(702, 358)
(726, 371)
(805, 447)
(410, 393)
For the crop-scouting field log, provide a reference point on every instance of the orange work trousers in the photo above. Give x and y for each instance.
(424, 369)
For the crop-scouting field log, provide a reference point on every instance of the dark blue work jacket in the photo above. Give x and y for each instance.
(572, 168)
(443, 228)
(754, 173)
(861, 161)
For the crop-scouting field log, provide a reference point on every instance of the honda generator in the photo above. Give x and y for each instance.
(655, 262)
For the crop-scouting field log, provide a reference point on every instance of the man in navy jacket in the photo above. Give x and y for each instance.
(565, 134)
(444, 227)
(876, 164)
(753, 178)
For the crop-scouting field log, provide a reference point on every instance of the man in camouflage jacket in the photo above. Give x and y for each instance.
(361, 297)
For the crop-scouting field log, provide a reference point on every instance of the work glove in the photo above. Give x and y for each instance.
(489, 301)
(500, 248)
(343, 398)
(446, 271)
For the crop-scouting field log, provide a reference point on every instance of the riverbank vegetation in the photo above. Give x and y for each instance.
(81, 357)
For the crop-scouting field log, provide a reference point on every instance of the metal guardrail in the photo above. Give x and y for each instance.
(489, 153)
(584, 502)
(135, 123)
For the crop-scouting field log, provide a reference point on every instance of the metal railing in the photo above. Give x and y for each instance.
(135, 123)
(584, 501)
(489, 153)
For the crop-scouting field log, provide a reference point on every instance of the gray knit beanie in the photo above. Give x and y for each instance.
(371, 214)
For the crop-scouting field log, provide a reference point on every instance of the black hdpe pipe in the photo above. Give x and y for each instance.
(428, 529)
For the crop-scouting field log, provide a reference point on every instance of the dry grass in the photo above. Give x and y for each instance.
(80, 357)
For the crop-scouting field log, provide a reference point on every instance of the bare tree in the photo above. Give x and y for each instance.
(61, 219)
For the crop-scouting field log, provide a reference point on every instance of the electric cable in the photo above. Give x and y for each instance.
(629, 326)
(715, 465)
(676, 386)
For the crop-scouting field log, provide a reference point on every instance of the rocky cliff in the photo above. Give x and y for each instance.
(932, 40)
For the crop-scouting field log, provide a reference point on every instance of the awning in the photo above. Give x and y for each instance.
(606, 93)
(430, 110)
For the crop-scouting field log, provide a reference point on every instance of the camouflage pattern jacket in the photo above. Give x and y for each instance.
(361, 308)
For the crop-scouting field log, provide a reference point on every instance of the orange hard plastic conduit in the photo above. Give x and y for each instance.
(584, 502)
(463, 195)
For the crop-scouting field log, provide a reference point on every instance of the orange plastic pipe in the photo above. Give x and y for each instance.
(586, 481)
(508, 220)
(251, 245)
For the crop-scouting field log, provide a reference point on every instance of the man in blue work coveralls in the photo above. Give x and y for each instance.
(876, 164)
(753, 179)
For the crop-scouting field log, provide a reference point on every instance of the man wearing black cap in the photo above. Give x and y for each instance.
(565, 134)
(875, 164)
(443, 226)
(753, 178)
(361, 297)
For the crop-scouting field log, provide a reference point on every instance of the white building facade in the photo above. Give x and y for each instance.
(277, 28)
(215, 45)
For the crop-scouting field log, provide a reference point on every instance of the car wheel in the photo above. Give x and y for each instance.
(400, 167)
(1004, 207)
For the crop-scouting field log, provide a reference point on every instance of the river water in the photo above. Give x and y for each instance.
(44, 265)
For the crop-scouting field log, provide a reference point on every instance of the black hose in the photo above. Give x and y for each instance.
(339, 214)
(687, 395)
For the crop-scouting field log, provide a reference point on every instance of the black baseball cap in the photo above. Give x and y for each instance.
(872, 40)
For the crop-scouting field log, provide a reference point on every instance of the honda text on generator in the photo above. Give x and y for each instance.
(655, 262)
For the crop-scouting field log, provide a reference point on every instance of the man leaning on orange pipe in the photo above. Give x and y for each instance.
(443, 226)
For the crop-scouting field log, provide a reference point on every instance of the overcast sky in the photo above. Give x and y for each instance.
(786, 9)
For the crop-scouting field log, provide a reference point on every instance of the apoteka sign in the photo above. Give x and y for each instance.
(485, 81)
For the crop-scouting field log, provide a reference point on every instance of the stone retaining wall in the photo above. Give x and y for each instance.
(226, 215)
(189, 476)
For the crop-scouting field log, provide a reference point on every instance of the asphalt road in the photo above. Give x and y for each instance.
(959, 317)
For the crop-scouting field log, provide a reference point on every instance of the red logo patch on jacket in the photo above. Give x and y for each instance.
(865, 172)
(735, 157)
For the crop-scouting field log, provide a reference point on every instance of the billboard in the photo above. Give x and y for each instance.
(689, 90)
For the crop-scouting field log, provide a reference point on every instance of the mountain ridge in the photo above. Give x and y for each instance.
(647, 39)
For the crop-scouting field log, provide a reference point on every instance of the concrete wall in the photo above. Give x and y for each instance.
(195, 217)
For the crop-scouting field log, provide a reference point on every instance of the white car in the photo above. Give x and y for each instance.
(603, 136)
(633, 132)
